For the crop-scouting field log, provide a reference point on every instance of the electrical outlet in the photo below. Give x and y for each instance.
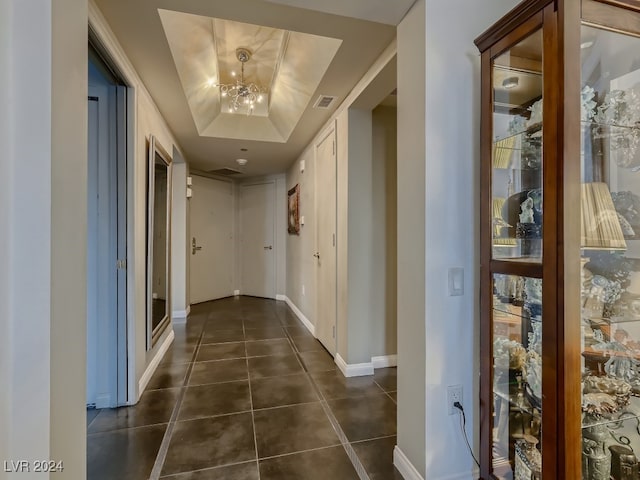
(454, 394)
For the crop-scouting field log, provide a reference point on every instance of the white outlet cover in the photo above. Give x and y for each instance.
(302, 166)
(302, 220)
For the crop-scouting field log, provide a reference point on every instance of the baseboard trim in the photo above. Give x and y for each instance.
(355, 369)
(179, 316)
(404, 466)
(236, 293)
(300, 315)
(281, 298)
(385, 361)
(153, 364)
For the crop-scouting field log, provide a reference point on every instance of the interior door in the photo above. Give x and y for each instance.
(258, 249)
(326, 188)
(211, 243)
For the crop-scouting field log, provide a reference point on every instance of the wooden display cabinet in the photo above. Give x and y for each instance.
(560, 242)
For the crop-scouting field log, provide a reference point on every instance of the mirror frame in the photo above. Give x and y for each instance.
(156, 150)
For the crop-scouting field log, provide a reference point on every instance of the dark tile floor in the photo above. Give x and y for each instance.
(246, 393)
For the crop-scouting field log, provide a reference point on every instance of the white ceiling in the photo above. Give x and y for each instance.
(171, 78)
(381, 11)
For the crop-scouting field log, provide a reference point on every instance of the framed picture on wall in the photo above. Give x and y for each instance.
(294, 210)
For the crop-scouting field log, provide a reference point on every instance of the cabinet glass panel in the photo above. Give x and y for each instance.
(517, 376)
(517, 152)
(610, 247)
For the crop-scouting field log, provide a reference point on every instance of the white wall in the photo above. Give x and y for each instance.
(7, 212)
(438, 181)
(43, 249)
(148, 121)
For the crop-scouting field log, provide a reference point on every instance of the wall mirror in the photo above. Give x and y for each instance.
(158, 242)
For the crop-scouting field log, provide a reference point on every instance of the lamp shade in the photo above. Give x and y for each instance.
(600, 225)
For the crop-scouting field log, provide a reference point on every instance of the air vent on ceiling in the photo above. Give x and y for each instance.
(324, 101)
(225, 172)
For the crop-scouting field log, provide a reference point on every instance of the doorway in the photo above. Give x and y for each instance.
(325, 255)
(211, 247)
(107, 376)
(257, 239)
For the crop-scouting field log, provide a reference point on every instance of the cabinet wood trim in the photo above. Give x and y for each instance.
(607, 14)
(516, 17)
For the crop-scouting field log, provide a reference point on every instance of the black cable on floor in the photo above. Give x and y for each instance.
(463, 426)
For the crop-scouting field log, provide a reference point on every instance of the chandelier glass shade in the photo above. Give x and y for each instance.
(242, 96)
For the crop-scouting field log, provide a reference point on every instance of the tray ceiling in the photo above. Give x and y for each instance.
(287, 65)
(176, 70)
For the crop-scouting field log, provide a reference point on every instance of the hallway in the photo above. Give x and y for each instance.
(246, 392)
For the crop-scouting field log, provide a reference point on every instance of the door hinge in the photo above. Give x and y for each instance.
(334, 331)
(121, 264)
(334, 147)
(334, 239)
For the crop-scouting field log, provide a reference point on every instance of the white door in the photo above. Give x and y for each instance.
(257, 235)
(326, 242)
(211, 242)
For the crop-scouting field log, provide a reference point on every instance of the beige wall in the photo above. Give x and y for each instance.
(365, 195)
(411, 236)
(384, 279)
(300, 263)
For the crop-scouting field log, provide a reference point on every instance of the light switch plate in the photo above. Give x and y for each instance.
(456, 281)
(302, 220)
(302, 166)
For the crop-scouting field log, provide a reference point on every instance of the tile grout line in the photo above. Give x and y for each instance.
(253, 418)
(168, 434)
(351, 453)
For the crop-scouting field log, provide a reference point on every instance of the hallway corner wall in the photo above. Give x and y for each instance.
(179, 239)
(43, 80)
(384, 340)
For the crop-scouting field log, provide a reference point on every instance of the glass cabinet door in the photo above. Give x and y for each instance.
(517, 152)
(610, 254)
(517, 376)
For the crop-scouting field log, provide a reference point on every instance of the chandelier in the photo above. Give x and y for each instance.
(242, 95)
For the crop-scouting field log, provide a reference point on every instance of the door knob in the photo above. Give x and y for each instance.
(317, 255)
(269, 247)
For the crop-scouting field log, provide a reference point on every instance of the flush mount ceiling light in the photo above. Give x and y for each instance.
(242, 96)
(510, 82)
(242, 161)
